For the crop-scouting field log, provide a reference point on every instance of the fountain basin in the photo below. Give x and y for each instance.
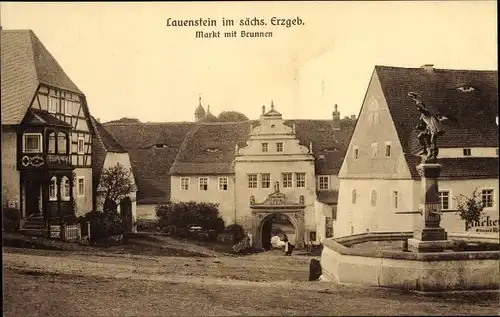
(424, 272)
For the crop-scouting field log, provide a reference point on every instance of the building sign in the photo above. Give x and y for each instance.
(486, 225)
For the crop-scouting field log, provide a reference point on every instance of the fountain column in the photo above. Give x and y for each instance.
(431, 237)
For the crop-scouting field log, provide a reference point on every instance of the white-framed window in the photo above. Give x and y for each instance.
(388, 149)
(323, 182)
(252, 180)
(53, 189)
(264, 147)
(63, 106)
(353, 196)
(62, 140)
(373, 198)
(444, 199)
(80, 186)
(53, 104)
(467, 152)
(287, 180)
(52, 143)
(32, 143)
(279, 147)
(300, 180)
(395, 199)
(374, 150)
(66, 106)
(81, 144)
(487, 197)
(203, 183)
(65, 188)
(75, 108)
(184, 183)
(265, 180)
(355, 152)
(223, 183)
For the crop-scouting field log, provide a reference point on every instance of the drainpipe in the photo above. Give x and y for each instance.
(234, 196)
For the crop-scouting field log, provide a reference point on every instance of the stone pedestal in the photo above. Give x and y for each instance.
(416, 245)
(431, 238)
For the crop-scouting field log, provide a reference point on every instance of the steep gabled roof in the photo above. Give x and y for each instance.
(26, 63)
(152, 148)
(472, 112)
(106, 139)
(210, 147)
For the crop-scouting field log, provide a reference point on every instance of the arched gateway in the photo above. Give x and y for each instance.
(276, 204)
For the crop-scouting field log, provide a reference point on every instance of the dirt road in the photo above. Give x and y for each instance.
(51, 283)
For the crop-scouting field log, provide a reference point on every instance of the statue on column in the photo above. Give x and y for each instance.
(430, 128)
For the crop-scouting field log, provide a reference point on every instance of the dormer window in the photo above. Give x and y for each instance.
(322, 157)
(161, 146)
(466, 88)
(467, 152)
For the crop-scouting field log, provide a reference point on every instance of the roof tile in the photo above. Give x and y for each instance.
(472, 114)
(25, 63)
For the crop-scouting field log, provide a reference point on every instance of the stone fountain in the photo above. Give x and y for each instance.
(433, 264)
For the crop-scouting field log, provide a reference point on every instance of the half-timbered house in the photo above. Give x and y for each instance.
(46, 134)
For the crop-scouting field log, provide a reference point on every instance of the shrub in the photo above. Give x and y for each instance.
(236, 231)
(103, 225)
(176, 218)
(470, 209)
(11, 219)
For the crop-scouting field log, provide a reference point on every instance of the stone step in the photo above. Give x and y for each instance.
(34, 232)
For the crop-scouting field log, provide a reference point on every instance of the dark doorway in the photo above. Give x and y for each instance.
(126, 213)
(266, 233)
(274, 228)
(33, 197)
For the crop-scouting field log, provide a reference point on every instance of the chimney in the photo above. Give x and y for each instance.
(98, 120)
(336, 118)
(428, 68)
(353, 117)
(263, 109)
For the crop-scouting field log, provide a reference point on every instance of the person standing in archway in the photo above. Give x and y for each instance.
(288, 245)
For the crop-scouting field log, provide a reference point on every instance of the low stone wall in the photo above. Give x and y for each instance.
(426, 272)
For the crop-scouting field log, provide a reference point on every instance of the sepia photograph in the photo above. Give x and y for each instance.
(256, 158)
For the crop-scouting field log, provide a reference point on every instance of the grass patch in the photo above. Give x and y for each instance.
(135, 245)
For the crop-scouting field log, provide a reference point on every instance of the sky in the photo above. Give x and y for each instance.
(129, 63)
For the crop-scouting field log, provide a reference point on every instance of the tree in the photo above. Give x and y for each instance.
(231, 116)
(125, 120)
(175, 218)
(470, 209)
(116, 183)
